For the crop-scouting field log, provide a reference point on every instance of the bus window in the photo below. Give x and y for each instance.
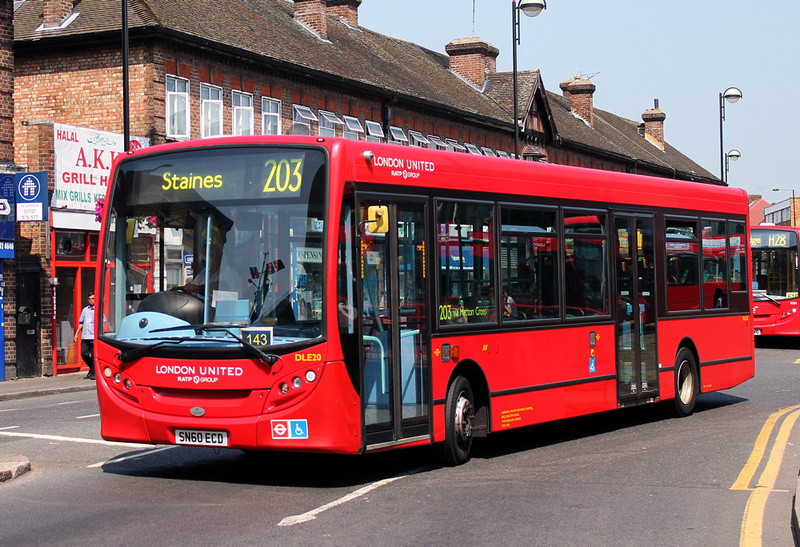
(585, 278)
(715, 267)
(466, 263)
(738, 256)
(529, 262)
(683, 285)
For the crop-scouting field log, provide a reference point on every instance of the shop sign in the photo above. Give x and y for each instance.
(83, 159)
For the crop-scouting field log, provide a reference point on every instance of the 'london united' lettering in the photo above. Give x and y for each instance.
(400, 163)
(191, 370)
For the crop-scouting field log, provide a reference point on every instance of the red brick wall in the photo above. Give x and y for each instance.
(6, 82)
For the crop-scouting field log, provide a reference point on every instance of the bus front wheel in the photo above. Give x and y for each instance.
(459, 409)
(687, 382)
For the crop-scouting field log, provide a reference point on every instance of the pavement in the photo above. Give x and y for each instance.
(12, 465)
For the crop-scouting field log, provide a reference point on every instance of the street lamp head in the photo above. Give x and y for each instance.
(732, 94)
(532, 8)
(734, 154)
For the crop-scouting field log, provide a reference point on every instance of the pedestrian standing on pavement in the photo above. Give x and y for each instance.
(86, 333)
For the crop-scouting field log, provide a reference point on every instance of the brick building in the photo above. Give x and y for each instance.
(276, 66)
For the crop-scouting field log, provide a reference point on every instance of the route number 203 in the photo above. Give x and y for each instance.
(284, 176)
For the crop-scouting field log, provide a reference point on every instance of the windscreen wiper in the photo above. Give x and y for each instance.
(133, 354)
(762, 297)
(249, 349)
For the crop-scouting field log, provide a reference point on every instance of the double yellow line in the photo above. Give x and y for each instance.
(753, 521)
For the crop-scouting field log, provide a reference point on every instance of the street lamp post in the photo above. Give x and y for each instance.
(791, 206)
(126, 116)
(732, 155)
(531, 8)
(732, 94)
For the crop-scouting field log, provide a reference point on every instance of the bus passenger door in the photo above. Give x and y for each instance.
(394, 322)
(637, 361)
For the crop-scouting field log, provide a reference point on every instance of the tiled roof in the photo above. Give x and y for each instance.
(268, 30)
(618, 135)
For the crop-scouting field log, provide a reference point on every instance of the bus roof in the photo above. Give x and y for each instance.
(409, 166)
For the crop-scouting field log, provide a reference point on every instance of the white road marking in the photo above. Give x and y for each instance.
(10, 410)
(87, 416)
(9, 427)
(311, 515)
(131, 457)
(73, 439)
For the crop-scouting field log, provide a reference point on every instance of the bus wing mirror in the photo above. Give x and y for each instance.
(378, 219)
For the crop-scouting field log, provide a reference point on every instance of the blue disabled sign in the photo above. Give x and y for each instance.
(31, 196)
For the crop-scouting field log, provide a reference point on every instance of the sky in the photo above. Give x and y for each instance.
(683, 53)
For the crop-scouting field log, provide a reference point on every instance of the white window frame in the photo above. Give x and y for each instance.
(487, 151)
(374, 132)
(436, 143)
(327, 123)
(303, 115)
(503, 154)
(177, 90)
(352, 127)
(270, 114)
(418, 139)
(242, 112)
(397, 136)
(210, 107)
(454, 146)
(472, 149)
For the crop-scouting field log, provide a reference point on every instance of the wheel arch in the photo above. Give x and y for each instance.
(473, 372)
(689, 344)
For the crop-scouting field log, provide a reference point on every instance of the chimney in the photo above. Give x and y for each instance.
(55, 11)
(345, 9)
(654, 125)
(472, 58)
(312, 14)
(580, 92)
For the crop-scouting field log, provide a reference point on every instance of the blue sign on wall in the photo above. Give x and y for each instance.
(7, 216)
(31, 196)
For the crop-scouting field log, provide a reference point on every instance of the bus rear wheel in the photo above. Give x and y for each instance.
(459, 409)
(687, 382)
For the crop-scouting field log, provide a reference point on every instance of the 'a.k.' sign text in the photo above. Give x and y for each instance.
(83, 159)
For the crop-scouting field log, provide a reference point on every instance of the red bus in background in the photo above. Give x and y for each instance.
(329, 295)
(775, 280)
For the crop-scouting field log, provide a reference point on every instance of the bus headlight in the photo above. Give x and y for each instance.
(296, 382)
(310, 376)
(284, 388)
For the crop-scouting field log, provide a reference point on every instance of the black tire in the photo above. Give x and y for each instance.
(687, 382)
(459, 418)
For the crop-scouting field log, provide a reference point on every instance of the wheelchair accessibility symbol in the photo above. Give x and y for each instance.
(289, 429)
